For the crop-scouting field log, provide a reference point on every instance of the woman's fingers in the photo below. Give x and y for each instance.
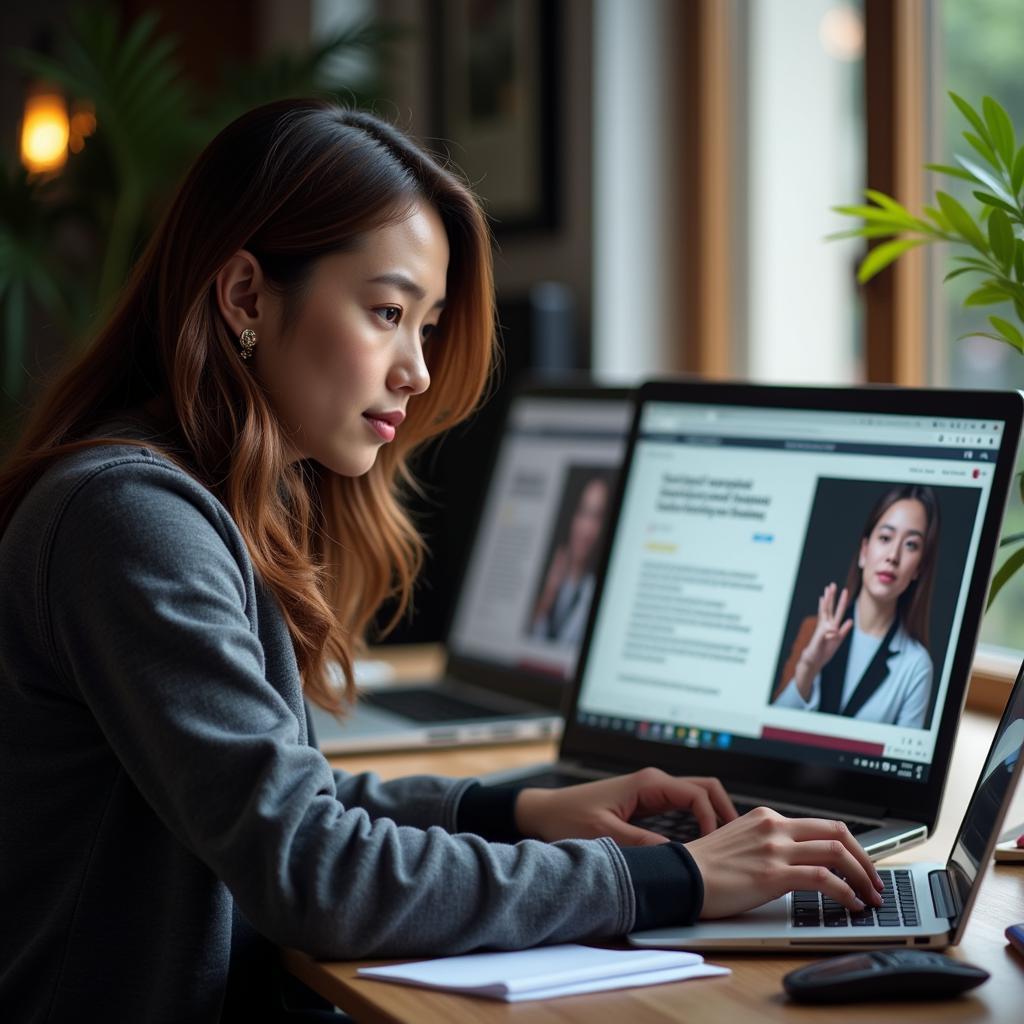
(837, 861)
(809, 830)
(658, 792)
(762, 855)
(704, 796)
(723, 806)
(701, 808)
(819, 879)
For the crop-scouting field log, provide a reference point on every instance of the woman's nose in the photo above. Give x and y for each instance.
(409, 372)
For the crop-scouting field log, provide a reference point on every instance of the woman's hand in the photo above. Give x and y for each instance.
(604, 808)
(829, 632)
(763, 855)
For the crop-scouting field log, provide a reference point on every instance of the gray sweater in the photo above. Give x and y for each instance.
(163, 817)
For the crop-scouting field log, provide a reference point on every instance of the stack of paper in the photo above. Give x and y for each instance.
(547, 972)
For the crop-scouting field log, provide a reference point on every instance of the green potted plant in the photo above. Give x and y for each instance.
(988, 243)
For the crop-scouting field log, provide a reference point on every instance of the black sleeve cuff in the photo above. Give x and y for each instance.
(667, 884)
(490, 811)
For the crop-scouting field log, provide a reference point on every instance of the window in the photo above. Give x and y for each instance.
(805, 152)
(975, 48)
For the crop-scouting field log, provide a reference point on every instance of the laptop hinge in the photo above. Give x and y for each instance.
(944, 898)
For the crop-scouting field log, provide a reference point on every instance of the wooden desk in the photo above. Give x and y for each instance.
(753, 992)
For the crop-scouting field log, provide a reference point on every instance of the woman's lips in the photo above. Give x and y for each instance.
(886, 577)
(384, 430)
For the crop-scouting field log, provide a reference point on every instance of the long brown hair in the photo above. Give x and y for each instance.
(914, 606)
(291, 182)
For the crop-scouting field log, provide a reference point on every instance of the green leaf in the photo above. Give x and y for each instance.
(878, 231)
(1017, 174)
(1004, 573)
(902, 220)
(961, 221)
(882, 255)
(1018, 260)
(960, 271)
(984, 197)
(987, 295)
(972, 116)
(983, 148)
(886, 202)
(1008, 331)
(939, 217)
(953, 172)
(1000, 129)
(1012, 288)
(987, 178)
(973, 261)
(1000, 237)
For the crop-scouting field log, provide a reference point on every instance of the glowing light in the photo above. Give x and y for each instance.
(842, 32)
(83, 124)
(44, 133)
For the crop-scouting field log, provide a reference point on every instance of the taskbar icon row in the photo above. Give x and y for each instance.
(663, 732)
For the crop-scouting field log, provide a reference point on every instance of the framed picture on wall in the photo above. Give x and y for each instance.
(496, 104)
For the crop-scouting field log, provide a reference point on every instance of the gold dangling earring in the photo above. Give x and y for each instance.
(247, 341)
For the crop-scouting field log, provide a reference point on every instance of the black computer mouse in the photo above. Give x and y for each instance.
(882, 974)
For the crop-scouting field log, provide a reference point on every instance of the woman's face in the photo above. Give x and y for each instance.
(587, 521)
(890, 557)
(341, 375)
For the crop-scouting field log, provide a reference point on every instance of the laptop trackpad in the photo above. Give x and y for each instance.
(768, 921)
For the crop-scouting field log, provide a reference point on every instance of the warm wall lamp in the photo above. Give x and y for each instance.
(48, 133)
(45, 129)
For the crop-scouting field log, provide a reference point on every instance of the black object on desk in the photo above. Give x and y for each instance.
(882, 975)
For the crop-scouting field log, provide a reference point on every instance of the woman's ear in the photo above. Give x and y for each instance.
(861, 556)
(241, 293)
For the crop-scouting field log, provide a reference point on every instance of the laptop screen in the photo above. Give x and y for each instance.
(991, 798)
(790, 583)
(530, 577)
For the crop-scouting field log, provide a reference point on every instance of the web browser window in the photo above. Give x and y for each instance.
(734, 523)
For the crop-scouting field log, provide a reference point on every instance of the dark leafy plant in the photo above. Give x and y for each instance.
(66, 244)
(989, 241)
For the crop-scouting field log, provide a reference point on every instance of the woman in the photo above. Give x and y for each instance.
(561, 611)
(884, 672)
(200, 519)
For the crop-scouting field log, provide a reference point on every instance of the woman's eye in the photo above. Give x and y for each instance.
(428, 330)
(390, 314)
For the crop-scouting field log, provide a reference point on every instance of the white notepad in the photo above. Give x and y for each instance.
(547, 972)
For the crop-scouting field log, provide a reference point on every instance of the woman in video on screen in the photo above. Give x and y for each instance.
(561, 611)
(865, 654)
(196, 525)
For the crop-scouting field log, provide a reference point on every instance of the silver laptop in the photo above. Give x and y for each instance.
(923, 904)
(738, 506)
(525, 595)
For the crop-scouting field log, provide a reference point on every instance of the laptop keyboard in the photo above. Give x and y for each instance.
(428, 705)
(899, 907)
(682, 827)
